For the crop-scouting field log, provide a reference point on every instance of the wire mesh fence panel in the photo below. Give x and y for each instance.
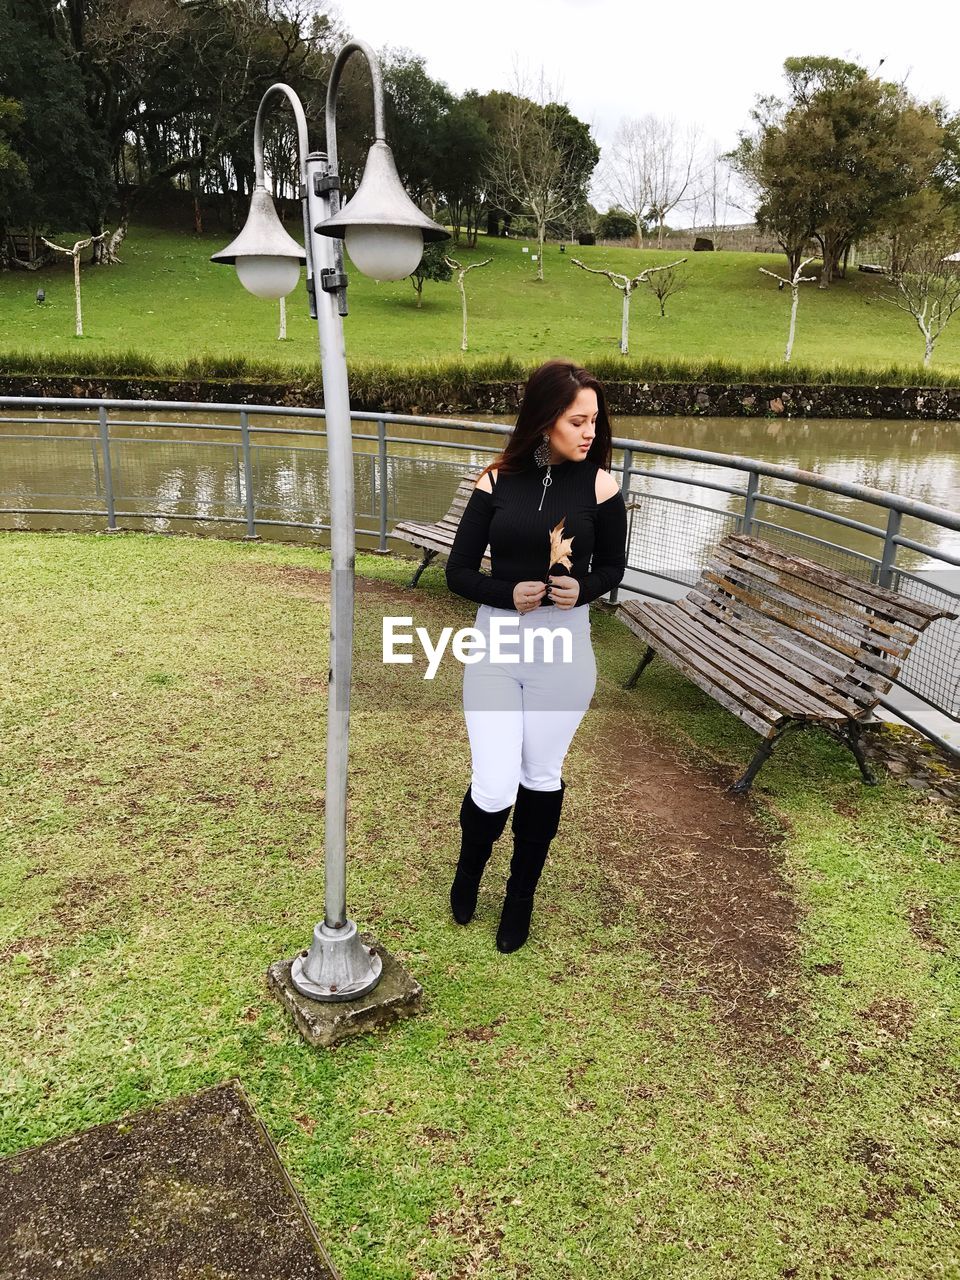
(670, 539)
(177, 477)
(422, 489)
(932, 671)
(291, 483)
(819, 550)
(36, 469)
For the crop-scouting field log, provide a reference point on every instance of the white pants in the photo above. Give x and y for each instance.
(521, 716)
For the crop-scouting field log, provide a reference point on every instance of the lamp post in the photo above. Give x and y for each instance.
(384, 233)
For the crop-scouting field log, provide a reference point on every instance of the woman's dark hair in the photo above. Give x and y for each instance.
(548, 392)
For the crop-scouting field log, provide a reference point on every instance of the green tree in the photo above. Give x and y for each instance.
(616, 224)
(461, 154)
(433, 265)
(57, 172)
(14, 175)
(836, 158)
(415, 107)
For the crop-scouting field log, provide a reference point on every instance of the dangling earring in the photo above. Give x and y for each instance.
(541, 456)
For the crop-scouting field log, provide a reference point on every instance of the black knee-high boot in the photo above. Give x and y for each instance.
(536, 817)
(480, 829)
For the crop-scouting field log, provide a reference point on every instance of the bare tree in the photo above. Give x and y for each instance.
(624, 179)
(665, 282)
(672, 157)
(927, 286)
(651, 167)
(461, 273)
(74, 253)
(713, 195)
(794, 282)
(626, 285)
(530, 165)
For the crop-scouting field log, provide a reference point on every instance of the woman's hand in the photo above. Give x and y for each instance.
(564, 592)
(527, 595)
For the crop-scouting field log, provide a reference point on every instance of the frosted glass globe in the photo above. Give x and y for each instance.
(268, 276)
(385, 253)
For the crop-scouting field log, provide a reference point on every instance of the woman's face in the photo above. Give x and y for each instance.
(572, 434)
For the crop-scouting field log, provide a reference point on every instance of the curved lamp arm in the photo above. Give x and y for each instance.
(301, 119)
(333, 86)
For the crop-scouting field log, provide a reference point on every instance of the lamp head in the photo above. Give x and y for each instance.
(383, 229)
(267, 258)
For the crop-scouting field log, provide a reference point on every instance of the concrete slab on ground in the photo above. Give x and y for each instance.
(193, 1187)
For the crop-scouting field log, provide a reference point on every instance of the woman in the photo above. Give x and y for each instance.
(548, 502)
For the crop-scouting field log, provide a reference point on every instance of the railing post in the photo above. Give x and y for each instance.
(888, 559)
(251, 535)
(382, 483)
(107, 470)
(753, 488)
(625, 490)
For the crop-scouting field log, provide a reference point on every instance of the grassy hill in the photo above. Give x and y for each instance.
(168, 302)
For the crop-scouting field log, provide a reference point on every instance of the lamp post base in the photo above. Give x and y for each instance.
(324, 1023)
(337, 967)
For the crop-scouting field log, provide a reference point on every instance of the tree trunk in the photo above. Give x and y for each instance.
(795, 290)
(282, 336)
(831, 253)
(625, 324)
(928, 340)
(463, 305)
(76, 289)
(541, 232)
(793, 257)
(112, 244)
(418, 285)
(99, 249)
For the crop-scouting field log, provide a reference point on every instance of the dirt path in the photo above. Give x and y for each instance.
(725, 922)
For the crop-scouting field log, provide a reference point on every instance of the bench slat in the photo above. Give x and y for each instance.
(798, 669)
(884, 598)
(777, 603)
(737, 700)
(863, 666)
(833, 668)
(888, 621)
(775, 690)
(835, 611)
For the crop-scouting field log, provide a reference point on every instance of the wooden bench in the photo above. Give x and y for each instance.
(437, 539)
(780, 640)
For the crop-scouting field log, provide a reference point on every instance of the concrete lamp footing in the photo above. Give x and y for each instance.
(324, 1023)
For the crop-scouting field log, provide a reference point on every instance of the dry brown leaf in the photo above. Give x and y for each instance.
(560, 546)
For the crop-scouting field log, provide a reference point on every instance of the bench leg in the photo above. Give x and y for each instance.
(640, 665)
(427, 557)
(742, 785)
(851, 738)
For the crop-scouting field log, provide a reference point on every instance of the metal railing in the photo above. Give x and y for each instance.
(263, 467)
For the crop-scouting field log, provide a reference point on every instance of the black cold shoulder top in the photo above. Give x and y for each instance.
(519, 535)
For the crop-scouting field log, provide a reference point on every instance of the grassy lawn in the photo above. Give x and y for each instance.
(610, 1100)
(168, 302)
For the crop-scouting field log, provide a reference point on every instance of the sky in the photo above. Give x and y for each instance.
(701, 63)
